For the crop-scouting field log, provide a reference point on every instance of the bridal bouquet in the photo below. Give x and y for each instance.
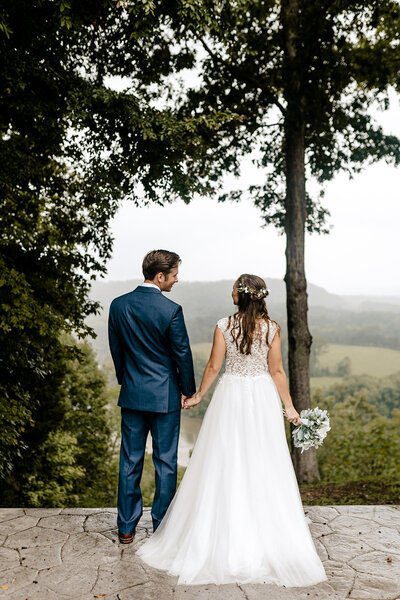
(312, 430)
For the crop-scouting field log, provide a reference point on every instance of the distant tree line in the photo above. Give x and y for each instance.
(357, 328)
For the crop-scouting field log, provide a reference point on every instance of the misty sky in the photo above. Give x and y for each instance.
(220, 241)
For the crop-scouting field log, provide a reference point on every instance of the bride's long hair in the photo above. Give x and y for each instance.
(251, 307)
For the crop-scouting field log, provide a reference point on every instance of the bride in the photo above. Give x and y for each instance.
(237, 516)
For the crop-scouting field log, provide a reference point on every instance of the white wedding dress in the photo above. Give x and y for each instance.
(237, 515)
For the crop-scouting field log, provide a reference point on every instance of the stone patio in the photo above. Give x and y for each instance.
(74, 553)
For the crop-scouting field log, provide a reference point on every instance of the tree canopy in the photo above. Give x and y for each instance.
(70, 149)
(346, 61)
(292, 82)
(66, 454)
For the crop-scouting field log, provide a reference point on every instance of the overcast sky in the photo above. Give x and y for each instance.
(220, 241)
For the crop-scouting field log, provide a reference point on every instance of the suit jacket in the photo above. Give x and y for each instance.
(151, 352)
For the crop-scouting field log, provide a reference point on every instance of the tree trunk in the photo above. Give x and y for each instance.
(299, 337)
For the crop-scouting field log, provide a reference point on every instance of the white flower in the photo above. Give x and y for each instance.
(258, 293)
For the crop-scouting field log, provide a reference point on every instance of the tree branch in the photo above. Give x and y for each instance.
(240, 74)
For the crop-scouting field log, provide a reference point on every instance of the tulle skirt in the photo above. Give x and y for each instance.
(237, 516)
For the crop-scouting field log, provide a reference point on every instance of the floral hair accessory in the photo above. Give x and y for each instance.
(261, 293)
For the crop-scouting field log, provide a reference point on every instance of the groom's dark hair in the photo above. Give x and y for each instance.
(159, 261)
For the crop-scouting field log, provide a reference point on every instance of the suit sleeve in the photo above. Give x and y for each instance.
(181, 353)
(115, 346)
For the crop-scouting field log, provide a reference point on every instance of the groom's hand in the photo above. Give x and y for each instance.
(183, 400)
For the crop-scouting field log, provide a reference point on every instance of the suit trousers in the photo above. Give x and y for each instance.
(164, 429)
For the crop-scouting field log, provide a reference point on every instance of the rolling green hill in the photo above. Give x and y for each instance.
(378, 362)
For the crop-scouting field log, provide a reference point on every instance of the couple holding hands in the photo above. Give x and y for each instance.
(240, 470)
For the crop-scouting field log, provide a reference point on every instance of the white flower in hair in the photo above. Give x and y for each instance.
(259, 293)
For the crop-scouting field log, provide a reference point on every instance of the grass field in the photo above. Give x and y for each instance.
(369, 360)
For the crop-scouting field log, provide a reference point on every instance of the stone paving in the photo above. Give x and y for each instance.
(74, 553)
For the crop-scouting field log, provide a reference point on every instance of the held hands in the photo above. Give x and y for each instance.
(183, 400)
(188, 402)
(292, 415)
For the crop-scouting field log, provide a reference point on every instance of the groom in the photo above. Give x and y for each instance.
(153, 364)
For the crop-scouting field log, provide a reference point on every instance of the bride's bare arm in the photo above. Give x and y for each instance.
(212, 369)
(278, 375)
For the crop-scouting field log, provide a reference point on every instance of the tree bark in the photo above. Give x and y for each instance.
(299, 337)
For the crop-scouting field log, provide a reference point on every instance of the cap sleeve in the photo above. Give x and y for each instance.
(273, 328)
(222, 323)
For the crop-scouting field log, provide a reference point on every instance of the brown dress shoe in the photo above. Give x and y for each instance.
(126, 538)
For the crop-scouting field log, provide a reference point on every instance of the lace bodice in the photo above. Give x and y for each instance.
(247, 365)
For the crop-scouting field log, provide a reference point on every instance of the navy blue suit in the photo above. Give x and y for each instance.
(153, 364)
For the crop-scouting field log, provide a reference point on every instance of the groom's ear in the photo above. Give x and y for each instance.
(160, 277)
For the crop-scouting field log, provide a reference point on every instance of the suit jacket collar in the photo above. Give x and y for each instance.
(147, 290)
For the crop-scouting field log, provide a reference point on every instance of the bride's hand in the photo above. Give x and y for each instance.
(195, 399)
(292, 415)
